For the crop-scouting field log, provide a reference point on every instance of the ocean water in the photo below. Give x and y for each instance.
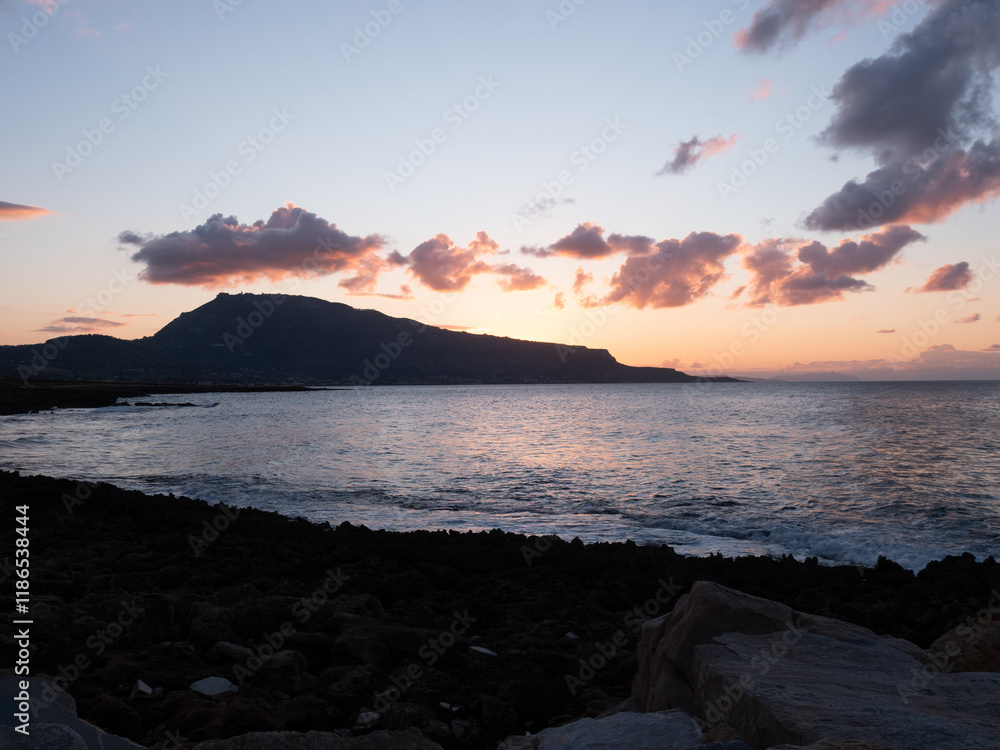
(841, 471)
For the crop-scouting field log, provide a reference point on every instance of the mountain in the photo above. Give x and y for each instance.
(282, 339)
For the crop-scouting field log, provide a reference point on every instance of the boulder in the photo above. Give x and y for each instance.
(970, 647)
(216, 688)
(55, 709)
(800, 688)
(409, 740)
(667, 644)
(42, 737)
(665, 730)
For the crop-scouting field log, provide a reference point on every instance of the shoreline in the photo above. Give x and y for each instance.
(17, 398)
(409, 622)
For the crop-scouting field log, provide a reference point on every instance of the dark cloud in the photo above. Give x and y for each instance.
(886, 330)
(920, 110)
(821, 274)
(17, 212)
(782, 23)
(689, 153)
(222, 252)
(587, 242)
(948, 278)
(77, 324)
(675, 273)
(133, 238)
(975, 318)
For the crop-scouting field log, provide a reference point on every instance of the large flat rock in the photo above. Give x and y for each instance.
(411, 739)
(798, 688)
(665, 730)
(53, 717)
(667, 644)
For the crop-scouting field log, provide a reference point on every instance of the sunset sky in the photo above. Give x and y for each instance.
(752, 187)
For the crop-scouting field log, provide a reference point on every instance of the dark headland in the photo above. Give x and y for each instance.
(257, 339)
(464, 638)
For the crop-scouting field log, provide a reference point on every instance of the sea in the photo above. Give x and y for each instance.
(844, 472)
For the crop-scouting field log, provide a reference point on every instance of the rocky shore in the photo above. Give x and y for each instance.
(41, 395)
(173, 624)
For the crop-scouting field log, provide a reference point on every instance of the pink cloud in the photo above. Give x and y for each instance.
(17, 212)
(821, 274)
(763, 92)
(948, 278)
(688, 153)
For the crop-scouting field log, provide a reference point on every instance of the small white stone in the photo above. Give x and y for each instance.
(216, 688)
(367, 720)
(140, 690)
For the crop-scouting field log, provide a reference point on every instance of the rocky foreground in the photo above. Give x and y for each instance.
(167, 623)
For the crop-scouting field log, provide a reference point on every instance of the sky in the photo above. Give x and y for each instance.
(747, 187)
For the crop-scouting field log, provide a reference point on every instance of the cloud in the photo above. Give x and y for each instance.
(443, 266)
(517, 278)
(17, 212)
(821, 274)
(886, 330)
(948, 278)
(763, 92)
(782, 23)
(689, 153)
(580, 279)
(992, 348)
(222, 252)
(75, 324)
(559, 303)
(920, 110)
(674, 273)
(970, 318)
(587, 242)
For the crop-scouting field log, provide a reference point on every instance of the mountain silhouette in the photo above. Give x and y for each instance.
(284, 339)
